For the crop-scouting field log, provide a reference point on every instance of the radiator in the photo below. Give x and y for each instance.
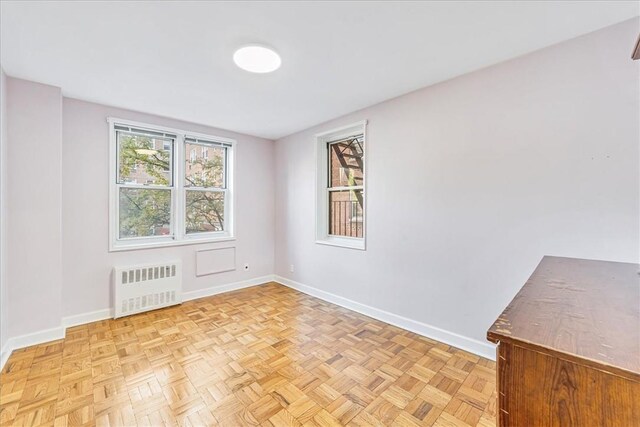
(146, 287)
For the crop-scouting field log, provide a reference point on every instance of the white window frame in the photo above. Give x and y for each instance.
(202, 141)
(322, 186)
(178, 192)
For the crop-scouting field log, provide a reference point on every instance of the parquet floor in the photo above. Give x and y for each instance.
(265, 355)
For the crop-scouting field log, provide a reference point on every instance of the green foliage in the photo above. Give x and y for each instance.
(205, 211)
(140, 153)
(147, 211)
(205, 173)
(144, 212)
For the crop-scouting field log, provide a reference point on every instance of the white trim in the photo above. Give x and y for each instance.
(83, 318)
(355, 187)
(343, 242)
(342, 129)
(167, 129)
(5, 353)
(471, 345)
(322, 235)
(37, 337)
(215, 290)
(53, 334)
(468, 344)
(165, 244)
(29, 340)
(178, 236)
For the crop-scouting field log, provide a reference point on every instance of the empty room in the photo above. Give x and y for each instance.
(320, 213)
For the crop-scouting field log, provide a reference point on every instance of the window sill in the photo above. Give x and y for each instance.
(343, 242)
(121, 247)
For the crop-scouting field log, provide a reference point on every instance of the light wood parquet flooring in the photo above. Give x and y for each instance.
(266, 355)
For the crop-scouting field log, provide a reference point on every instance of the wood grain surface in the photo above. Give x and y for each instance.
(266, 355)
(578, 309)
(536, 389)
(569, 347)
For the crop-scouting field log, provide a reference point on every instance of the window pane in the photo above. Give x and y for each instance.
(204, 211)
(144, 212)
(204, 166)
(144, 159)
(345, 213)
(346, 162)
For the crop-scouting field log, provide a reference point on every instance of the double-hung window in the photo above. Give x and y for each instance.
(341, 187)
(205, 186)
(168, 187)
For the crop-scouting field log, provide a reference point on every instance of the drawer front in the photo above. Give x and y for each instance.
(542, 390)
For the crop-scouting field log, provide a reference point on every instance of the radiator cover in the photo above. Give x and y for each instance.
(147, 287)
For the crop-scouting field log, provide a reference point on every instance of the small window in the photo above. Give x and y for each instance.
(341, 187)
(346, 184)
(156, 203)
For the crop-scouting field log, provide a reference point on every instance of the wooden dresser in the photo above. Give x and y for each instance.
(569, 346)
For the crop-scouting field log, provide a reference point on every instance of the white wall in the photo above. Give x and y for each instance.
(57, 188)
(4, 307)
(472, 181)
(34, 276)
(86, 261)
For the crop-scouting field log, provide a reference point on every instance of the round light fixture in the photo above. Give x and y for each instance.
(257, 59)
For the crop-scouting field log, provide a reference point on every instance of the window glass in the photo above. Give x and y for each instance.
(346, 159)
(156, 203)
(204, 211)
(144, 212)
(346, 169)
(144, 160)
(346, 213)
(205, 166)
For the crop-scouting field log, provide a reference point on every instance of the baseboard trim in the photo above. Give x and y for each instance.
(83, 318)
(465, 343)
(52, 334)
(4, 354)
(215, 290)
(29, 340)
(37, 338)
(471, 345)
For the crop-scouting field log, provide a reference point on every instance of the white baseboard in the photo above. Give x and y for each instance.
(36, 338)
(4, 354)
(107, 313)
(469, 344)
(29, 340)
(92, 316)
(483, 349)
(215, 290)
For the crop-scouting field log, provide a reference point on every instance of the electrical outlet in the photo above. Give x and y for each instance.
(246, 266)
(291, 268)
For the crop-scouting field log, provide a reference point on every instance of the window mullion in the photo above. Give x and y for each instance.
(178, 171)
(179, 178)
(205, 189)
(354, 188)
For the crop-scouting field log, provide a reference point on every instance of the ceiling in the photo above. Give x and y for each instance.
(175, 58)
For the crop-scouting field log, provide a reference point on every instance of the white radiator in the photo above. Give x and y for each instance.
(146, 287)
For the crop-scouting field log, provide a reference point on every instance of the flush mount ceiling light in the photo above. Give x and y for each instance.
(257, 59)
